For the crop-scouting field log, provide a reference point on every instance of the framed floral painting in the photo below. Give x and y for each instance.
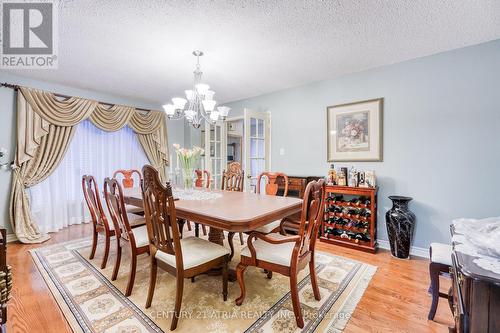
(355, 131)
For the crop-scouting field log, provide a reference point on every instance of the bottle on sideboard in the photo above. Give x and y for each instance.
(332, 175)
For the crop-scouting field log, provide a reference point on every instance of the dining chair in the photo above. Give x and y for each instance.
(129, 182)
(100, 223)
(271, 188)
(200, 182)
(183, 258)
(232, 180)
(136, 239)
(440, 264)
(288, 255)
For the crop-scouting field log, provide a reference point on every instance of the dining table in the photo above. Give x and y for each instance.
(221, 210)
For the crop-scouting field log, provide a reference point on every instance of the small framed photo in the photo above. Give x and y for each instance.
(355, 131)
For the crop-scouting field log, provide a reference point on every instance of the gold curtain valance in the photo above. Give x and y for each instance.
(68, 112)
(143, 122)
(41, 108)
(111, 119)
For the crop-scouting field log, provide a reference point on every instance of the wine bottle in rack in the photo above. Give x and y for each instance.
(337, 232)
(336, 198)
(355, 201)
(365, 212)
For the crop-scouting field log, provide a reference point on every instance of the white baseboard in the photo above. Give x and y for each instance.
(414, 250)
(11, 238)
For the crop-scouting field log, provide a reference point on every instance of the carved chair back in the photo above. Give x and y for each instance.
(199, 178)
(232, 179)
(114, 199)
(128, 177)
(159, 211)
(311, 216)
(93, 200)
(271, 186)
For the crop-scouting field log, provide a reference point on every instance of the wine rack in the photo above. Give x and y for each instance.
(350, 217)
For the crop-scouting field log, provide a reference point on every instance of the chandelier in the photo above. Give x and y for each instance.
(198, 106)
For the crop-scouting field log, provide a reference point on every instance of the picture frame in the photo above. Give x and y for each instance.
(355, 131)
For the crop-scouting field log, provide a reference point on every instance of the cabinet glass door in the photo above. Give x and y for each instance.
(215, 152)
(256, 146)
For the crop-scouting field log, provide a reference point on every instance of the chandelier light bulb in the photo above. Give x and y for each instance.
(209, 105)
(169, 109)
(223, 111)
(179, 103)
(214, 115)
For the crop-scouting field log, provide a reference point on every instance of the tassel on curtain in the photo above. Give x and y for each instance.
(45, 128)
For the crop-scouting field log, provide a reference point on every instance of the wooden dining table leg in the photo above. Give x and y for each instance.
(217, 236)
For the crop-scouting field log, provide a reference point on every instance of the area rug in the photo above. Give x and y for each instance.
(91, 302)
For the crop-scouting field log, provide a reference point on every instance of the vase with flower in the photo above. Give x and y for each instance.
(187, 160)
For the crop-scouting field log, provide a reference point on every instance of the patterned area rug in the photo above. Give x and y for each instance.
(93, 303)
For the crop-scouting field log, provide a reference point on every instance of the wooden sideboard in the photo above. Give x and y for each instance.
(296, 188)
(474, 296)
(296, 185)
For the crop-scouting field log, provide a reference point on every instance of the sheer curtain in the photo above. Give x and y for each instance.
(58, 201)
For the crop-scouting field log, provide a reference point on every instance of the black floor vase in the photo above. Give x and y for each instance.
(400, 222)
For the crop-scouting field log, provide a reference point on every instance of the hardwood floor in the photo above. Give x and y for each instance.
(396, 299)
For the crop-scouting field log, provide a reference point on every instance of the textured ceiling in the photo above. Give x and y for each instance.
(142, 49)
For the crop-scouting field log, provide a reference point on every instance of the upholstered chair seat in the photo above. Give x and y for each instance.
(441, 253)
(280, 254)
(268, 228)
(195, 252)
(133, 209)
(134, 220)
